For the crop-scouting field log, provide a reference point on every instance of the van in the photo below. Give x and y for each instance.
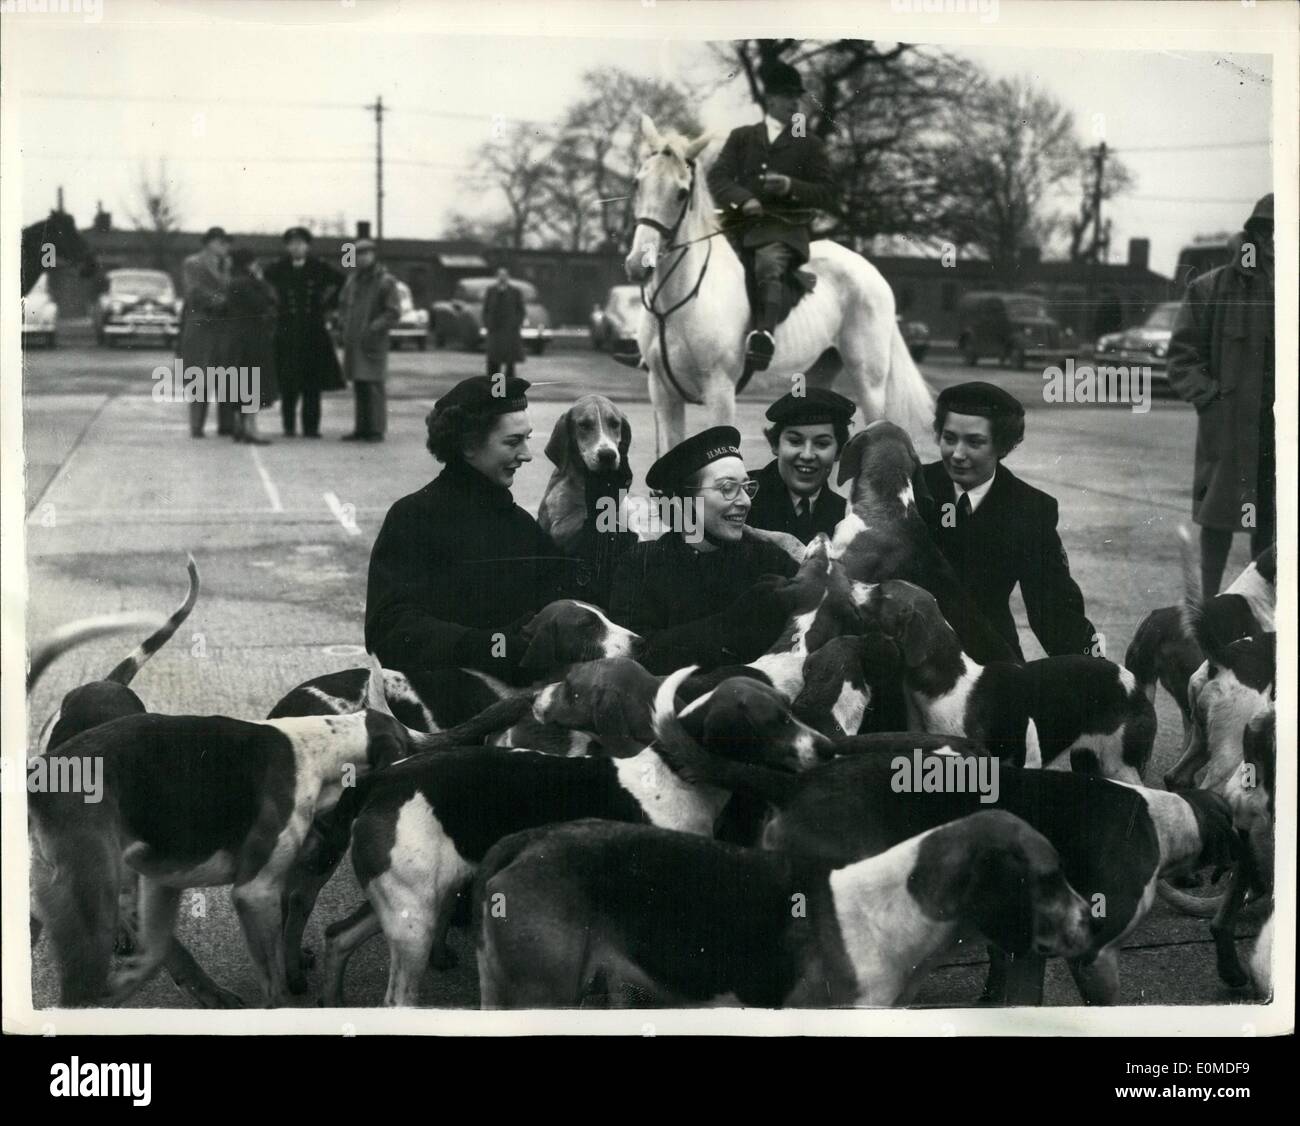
(1011, 328)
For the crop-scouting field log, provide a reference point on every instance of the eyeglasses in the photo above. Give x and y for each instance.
(730, 490)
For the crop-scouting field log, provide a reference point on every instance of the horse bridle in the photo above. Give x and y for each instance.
(669, 234)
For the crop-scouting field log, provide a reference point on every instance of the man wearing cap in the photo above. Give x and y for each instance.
(204, 277)
(458, 568)
(1221, 361)
(995, 529)
(698, 592)
(307, 289)
(808, 432)
(503, 317)
(771, 179)
(368, 307)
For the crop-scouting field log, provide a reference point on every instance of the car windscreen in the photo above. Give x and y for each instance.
(158, 286)
(1162, 318)
(475, 289)
(1024, 310)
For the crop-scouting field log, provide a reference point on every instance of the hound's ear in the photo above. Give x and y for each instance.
(880, 658)
(557, 446)
(622, 715)
(624, 447)
(376, 698)
(650, 135)
(542, 653)
(917, 638)
(920, 490)
(851, 457)
(697, 146)
(944, 874)
(730, 730)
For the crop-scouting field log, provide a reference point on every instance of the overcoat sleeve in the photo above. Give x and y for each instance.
(1190, 349)
(390, 307)
(408, 610)
(817, 187)
(204, 293)
(1053, 599)
(725, 175)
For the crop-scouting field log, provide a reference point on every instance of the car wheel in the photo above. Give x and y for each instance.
(438, 341)
(50, 341)
(971, 357)
(1018, 359)
(422, 344)
(539, 347)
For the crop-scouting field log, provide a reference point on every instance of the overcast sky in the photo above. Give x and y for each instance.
(263, 125)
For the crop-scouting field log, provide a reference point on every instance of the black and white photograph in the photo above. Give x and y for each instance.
(647, 517)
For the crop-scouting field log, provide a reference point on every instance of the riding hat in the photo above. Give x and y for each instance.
(297, 232)
(984, 399)
(813, 406)
(780, 78)
(214, 232)
(671, 472)
(490, 394)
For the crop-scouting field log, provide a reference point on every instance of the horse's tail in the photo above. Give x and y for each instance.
(909, 402)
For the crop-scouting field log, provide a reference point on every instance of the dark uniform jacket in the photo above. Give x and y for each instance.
(304, 352)
(666, 582)
(1221, 359)
(773, 510)
(249, 325)
(457, 556)
(1013, 539)
(736, 176)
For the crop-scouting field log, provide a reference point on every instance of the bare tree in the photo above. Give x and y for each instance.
(157, 211)
(1011, 145)
(1087, 237)
(518, 165)
(601, 139)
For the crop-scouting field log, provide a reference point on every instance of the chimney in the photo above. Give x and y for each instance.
(1139, 253)
(103, 222)
(363, 228)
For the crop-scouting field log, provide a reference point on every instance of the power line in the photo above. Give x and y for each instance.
(208, 159)
(1266, 143)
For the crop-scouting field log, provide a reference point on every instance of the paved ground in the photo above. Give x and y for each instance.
(118, 492)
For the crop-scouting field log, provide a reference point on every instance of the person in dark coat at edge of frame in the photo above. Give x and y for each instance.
(794, 496)
(249, 323)
(670, 590)
(771, 179)
(458, 568)
(996, 530)
(503, 318)
(306, 363)
(203, 286)
(1221, 361)
(369, 306)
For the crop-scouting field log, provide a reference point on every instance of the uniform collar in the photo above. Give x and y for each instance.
(773, 127)
(461, 475)
(977, 494)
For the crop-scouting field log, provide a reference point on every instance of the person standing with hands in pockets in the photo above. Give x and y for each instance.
(368, 307)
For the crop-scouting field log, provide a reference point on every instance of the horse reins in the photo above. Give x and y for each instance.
(661, 318)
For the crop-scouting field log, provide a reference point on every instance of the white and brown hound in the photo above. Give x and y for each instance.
(1069, 712)
(427, 823)
(686, 921)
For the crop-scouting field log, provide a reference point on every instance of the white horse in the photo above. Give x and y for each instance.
(693, 279)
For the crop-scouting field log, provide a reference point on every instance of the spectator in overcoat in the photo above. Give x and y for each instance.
(503, 317)
(250, 330)
(203, 286)
(368, 307)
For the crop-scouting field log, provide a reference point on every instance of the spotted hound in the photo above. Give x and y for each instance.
(1068, 712)
(884, 535)
(682, 920)
(426, 824)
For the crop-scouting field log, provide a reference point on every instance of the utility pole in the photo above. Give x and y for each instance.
(1099, 164)
(378, 107)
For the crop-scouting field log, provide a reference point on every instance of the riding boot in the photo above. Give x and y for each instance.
(761, 343)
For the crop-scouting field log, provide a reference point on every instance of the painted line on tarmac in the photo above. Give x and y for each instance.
(272, 493)
(345, 514)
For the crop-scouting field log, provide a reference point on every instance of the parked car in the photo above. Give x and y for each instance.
(1144, 345)
(40, 314)
(917, 336)
(414, 324)
(1009, 327)
(459, 322)
(616, 321)
(138, 304)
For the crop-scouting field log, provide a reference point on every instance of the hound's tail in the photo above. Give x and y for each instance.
(909, 403)
(1142, 658)
(125, 672)
(54, 645)
(1193, 603)
(690, 761)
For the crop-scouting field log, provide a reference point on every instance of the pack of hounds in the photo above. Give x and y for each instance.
(723, 837)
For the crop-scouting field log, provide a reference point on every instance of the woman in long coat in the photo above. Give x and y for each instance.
(249, 329)
(306, 363)
(503, 317)
(1221, 361)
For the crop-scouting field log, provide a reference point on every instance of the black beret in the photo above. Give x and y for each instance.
(780, 78)
(814, 405)
(984, 399)
(215, 232)
(670, 472)
(495, 394)
(297, 232)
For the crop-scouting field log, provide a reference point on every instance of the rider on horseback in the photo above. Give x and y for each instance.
(775, 178)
